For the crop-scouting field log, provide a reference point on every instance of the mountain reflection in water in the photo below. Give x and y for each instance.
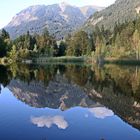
(104, 91)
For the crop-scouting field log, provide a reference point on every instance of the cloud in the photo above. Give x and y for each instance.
(101, 112)
(48, 121)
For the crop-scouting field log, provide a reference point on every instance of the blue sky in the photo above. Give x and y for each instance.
(9, 8)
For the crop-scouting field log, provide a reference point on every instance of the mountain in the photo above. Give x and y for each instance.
(119, 12)
(60, 19)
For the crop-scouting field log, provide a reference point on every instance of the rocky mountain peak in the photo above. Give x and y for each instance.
(60, 19)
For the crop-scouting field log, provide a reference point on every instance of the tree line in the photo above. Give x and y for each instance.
(121, 42)
(27, 45)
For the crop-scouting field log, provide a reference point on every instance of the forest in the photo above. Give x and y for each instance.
(28, 46)
(123, 42)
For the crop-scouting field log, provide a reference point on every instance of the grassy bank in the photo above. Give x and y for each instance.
(63, 59)
(43, 60)
(117, 61)
(73, 59)
(122, 61)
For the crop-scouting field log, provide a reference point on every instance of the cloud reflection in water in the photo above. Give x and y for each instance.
(48, 121)
(101, 112)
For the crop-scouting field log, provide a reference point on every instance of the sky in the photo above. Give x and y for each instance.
(9, 8)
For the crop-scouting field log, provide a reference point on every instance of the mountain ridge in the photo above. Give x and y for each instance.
(118, 13)
(60, 19)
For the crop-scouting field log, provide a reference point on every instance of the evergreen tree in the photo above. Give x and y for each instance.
(4, 34)
(3, 48)
(62, 49)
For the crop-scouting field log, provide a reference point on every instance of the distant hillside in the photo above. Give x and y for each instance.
(60, 19)
(121, 11)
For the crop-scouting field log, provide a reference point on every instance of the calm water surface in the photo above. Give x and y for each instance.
(69, 102)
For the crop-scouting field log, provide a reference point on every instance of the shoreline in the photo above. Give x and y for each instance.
(74, 60)
(122, 61)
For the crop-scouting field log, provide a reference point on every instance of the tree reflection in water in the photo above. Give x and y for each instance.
(66, 86)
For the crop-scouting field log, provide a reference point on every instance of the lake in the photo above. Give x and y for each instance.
(69, 102)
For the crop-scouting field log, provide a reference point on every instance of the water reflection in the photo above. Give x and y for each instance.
(101, 112)
(5, 76)
(48, 121)
(67, 86)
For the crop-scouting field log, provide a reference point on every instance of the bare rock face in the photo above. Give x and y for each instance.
(60, 19)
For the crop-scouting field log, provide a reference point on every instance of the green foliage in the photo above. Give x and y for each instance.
(2, 48)
(28, 46)
(62, 49)
(13, 53)
(4, 34)
(25, 42)
(120, 12)
(62, 59)
(79, 44)
(136, 41)
(4, 43)
(33, 46)
(122, 42)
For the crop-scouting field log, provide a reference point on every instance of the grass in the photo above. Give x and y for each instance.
(122, 61)
(64, 59)
(117, 61)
